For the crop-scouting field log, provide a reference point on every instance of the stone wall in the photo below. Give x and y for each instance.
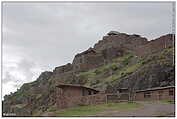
(62, 69)
(65, 102)
(112, 53)
(129, 42)
(156, 45)
(156, 95)
(88, 61)
(117, 98)
(107, 49)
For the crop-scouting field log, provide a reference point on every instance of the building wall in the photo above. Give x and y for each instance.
(71, 96)
(63, 101)
(67, 102)
(162, 94)
(72, 91)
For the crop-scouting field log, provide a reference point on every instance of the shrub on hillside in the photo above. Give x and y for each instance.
(126, 59)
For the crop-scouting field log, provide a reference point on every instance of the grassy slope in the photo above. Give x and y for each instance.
(91, 110)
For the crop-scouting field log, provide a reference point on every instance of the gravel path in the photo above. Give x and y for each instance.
(149, 109)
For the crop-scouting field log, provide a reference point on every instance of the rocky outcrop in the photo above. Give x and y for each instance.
(118, 61)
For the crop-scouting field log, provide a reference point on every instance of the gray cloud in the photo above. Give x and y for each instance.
(41, 36)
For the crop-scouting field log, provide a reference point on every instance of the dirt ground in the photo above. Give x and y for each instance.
(148, 110)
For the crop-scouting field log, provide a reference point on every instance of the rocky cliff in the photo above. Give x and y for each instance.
(118, 60)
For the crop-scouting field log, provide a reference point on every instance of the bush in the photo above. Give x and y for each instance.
(114, 67)
(142, 62)
(126, 59)
(51, 109)
(97, 71)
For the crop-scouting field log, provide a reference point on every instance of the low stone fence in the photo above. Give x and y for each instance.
(117, 98)
(91, 100)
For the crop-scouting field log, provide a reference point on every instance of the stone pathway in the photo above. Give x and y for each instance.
(149, 109)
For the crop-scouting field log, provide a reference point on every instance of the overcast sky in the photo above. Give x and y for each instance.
(41, 36)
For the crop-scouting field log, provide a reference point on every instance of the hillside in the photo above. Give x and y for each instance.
(117, 61)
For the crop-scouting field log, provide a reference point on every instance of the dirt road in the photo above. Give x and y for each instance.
(149, 109)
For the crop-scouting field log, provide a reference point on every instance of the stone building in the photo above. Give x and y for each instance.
(159, 93)
(86, 60)
(68, 95)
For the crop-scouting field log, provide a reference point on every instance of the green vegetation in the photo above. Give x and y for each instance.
(124, 71)
(142, 62)
(91, 110)
(126, 59)
(87, 74)
(167, 51)
(51, 109)
(111, 67)
(114, 67)
(122, 106)
(167, 102)
(105, 68)
(132, 68)
(92, 73)
(160, 101)
(113, 77)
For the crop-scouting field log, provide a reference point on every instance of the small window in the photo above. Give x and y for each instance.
(147, 95)
(171, 92)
